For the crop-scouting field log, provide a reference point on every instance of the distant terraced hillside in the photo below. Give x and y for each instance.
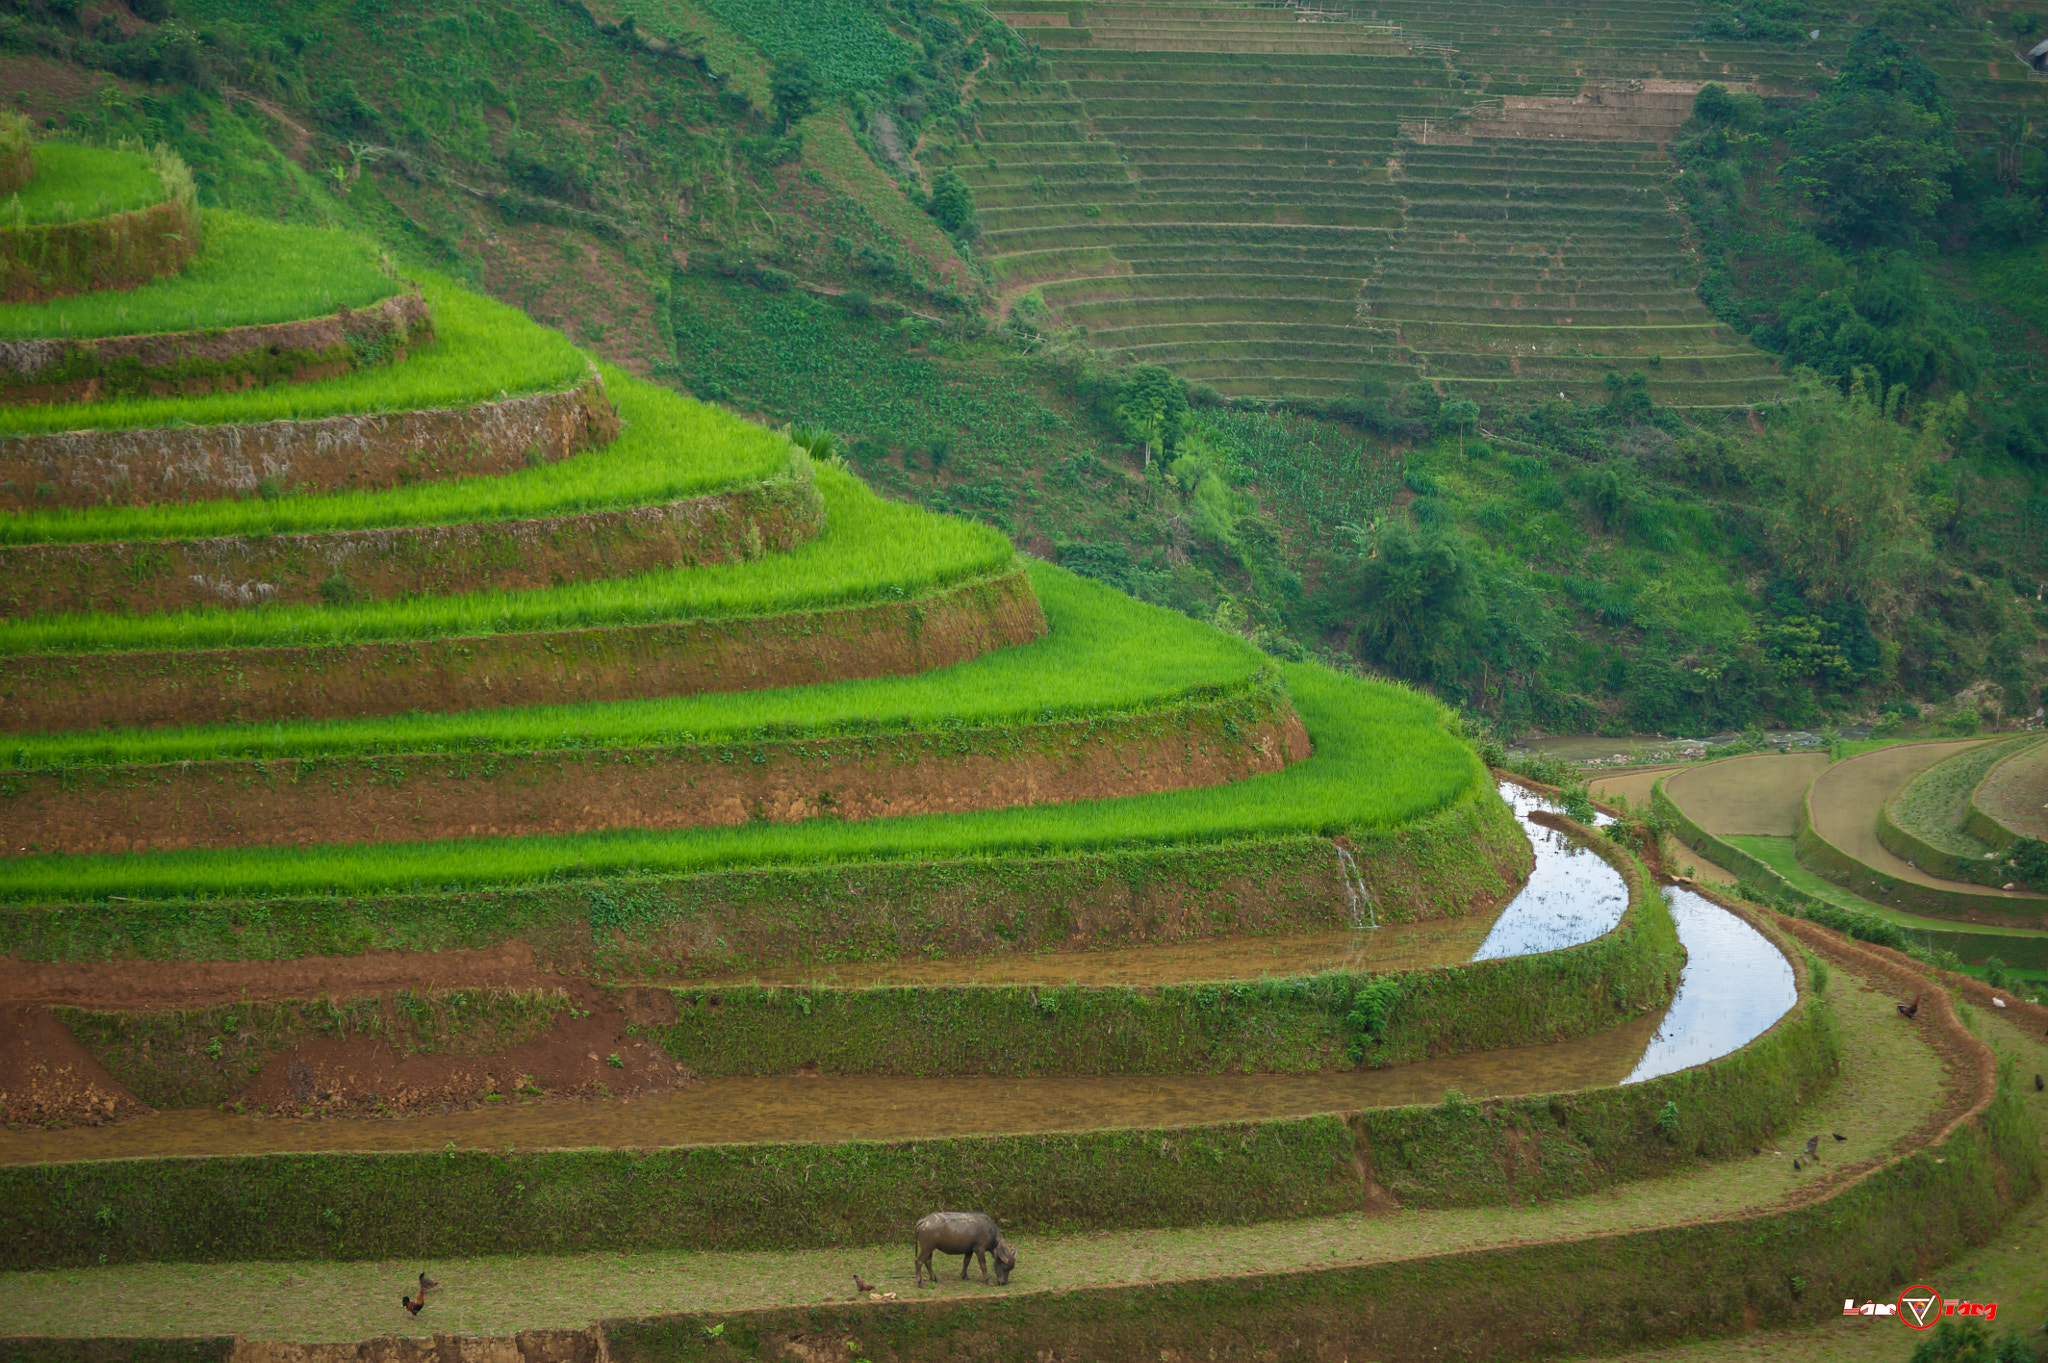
(1274, 205)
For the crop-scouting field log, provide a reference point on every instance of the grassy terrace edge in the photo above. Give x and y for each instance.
(1447, 1155)
(1384, 757)
(871, 550)
(482, 350)
(1329, 1019)
(669, 448)
(247, 272)
(1081, 668)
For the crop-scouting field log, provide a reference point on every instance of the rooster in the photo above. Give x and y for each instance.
(416, 1304)
(1907, 1010)
(1812, 1148)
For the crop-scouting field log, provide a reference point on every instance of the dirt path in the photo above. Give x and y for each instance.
(1892, 1080)
(2007, 1271)
(198, 984)
(1756, 794)
(1846, 800)
(861, 1107)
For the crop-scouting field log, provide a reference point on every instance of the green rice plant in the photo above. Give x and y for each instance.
(1384, 757)
(670, 448)
(871, 550)
(482, 350)
(1103, 655)
(248, 273)
(74, 183)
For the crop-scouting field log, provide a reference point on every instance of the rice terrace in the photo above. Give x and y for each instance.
(1314, 680)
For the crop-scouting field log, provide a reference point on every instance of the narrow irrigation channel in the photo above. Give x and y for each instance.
(1734, 985)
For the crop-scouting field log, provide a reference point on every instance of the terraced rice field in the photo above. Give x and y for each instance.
(2014, 795)
(737, 1060)
(1271, 206)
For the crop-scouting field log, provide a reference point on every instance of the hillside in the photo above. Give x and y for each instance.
(484, 820)
(964, 230)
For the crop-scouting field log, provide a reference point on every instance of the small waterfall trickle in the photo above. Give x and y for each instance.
(1355, 893)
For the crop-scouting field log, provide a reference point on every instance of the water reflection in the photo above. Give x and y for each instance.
(1734, 986)
(1572, 895)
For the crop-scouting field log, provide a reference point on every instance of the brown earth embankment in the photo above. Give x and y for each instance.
(218, 359)
(356, 453)
(41, 261)
(412, 798)
(40, 693)
(147, 578)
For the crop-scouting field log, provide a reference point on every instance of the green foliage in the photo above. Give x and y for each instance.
(854, 47)
(952, 203)
(870, 550)
(1383, 758)
(796, 88)
(481, 350)
(73, 183)
(670, 448)
(1850, 521)
(1150, 408)
(1102, 656)
(1414, 601)
(1872, 164)
(1817, 974)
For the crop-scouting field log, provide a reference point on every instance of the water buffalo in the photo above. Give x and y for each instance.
(971, 1235)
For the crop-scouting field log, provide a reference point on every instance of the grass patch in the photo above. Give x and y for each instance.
(482, 350)
(74, 184)
(248, 273)
(670, 448)
(203, 1056)
(1934, 804)
(871, 550)
(1383, 757)
(1101, 656)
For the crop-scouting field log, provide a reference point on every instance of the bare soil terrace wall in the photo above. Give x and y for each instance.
(144, 578)
(214, 360)
(385, 799)
(890, 639)
(354, 453)
(41, 261)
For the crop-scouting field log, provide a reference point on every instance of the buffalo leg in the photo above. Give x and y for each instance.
(921, 1263)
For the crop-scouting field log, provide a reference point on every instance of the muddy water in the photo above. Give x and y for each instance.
(861, 1108)
(1734, 986)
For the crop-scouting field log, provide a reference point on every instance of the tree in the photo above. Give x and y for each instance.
(1151, 407)
(1850, 520)
(1871, 164)
(1415, 602)
(796, 90)
(1872, 152)
(1457, 416)
(952, 203)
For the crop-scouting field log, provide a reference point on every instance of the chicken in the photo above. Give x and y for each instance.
(860, 1284)
(416, 1304)
(1907, 1010)
(1838, 1136)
